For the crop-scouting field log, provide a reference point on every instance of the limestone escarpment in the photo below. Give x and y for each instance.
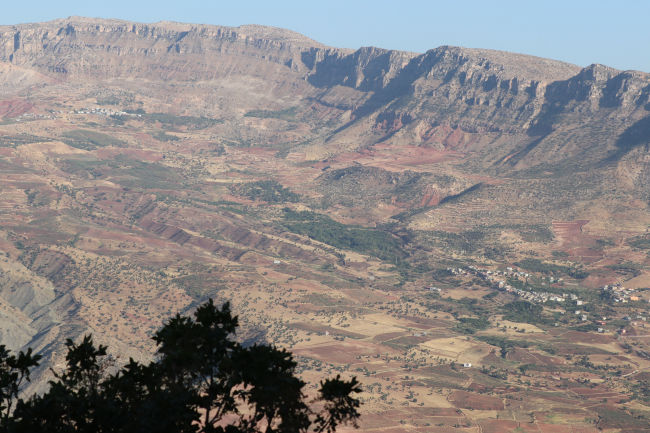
(446, 97)
(79, 47)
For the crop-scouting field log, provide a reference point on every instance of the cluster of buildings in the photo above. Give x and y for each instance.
(528, 295)
(541, 297)
(103, 112)
(35, 116)
(621, 294)
(86, 110)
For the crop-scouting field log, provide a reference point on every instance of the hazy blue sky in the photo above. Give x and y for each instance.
(614, 33)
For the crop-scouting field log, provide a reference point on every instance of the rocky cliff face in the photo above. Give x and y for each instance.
(84, 48)
(505, 106)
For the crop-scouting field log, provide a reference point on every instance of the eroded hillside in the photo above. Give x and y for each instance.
(387, 214)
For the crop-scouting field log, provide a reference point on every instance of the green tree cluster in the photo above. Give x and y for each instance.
(536, 265)
(269, 191)
(324, 229)
(526, 312)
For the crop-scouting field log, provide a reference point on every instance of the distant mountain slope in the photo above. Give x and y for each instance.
(513, 109)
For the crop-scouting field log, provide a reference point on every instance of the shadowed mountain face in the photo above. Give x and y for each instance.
(449, 97)
(145, 168)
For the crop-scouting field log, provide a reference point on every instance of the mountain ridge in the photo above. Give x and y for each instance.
(394, 96)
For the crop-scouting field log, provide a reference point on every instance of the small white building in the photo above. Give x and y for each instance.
(467, 365)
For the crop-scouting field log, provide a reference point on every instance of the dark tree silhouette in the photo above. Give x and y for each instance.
(203, 381)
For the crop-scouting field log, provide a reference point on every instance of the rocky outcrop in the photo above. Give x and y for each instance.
(26, 301)
(367, 69)
(82, 47)
(602, 87)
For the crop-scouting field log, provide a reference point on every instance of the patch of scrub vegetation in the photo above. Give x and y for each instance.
(269, 191)
(526, 312)
(162, 136)
(90, 140)
(286, 114)
(127, 172)
(108, 100)
(17, 140)
(536, 265)
(535, 233)
(200, 287)
(611, 417)
(458, 197)
(626, 268)
(172, 121)
(502, 342)
(191, 201)
(146, 175)
(324, 229)
(640, 242)
(468, 241)
(469, 325)
(529, 232)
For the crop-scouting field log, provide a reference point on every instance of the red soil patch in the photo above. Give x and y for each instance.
(576, 429)
(346, 353)
(14, 107)
(500, 426)
(555, 428)
(586, 253)
(570, 235)
(432, 197)
(569, 230)
(523, 356)
(372, 421)
(466, 400)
